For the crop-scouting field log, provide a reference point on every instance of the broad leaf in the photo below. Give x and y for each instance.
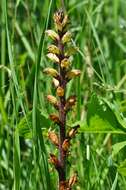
(122, 168)
(117, 147)
(101, 118)
(25, 125)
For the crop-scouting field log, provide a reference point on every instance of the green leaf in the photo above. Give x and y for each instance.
(114, 185)
(101, 118)
(25, 125)
(16, 161)
(122, 168)
(117, 147)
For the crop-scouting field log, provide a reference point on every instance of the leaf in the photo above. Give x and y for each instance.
(17, 172)
(25, 125)
(114, 185)
(122, 168)
(101, 118)
(117, 147)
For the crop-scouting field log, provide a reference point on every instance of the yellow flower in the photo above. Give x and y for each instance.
(52, 34)
(60, 91)
(73, 73)
(60, 20)
(66, 37)
(65, 63)
(52, 99)
(53, 49)
(53, 57)
(71, 50)
(50, 71)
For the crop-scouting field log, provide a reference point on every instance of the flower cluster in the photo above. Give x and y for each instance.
(59, 53)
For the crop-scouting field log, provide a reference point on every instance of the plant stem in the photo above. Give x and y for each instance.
(62, 118)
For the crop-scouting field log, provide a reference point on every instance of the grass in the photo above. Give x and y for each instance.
(99, 31)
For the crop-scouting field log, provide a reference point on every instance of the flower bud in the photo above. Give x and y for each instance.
(72, 180)
(53, 159)
(73, 73)
(60, 20)
(53, 57)
(64, 185)
(52, 100)
(70, 102)
(59, 26)
(73, 131)
(71, 50)
(66, 145)
(55, 118)
(66, 37)
(65, 20)
(55, 82)
(54, 138)
(50, 71)
(53, 49)
(60, 91)
(65, 63)
(52, 34)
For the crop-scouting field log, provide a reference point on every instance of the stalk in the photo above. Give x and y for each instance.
(59, 52)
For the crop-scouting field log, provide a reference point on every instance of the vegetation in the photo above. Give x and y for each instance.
(97, 153)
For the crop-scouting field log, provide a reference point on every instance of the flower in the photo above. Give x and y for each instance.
(53, 57)
(50, 71)
(53, 49)
(66, 37)
(52, 34)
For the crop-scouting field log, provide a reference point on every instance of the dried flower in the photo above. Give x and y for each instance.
(50, 71)
(52, 34)
(53, 137)
(66, 37)
(66, 145)
(73, 73)
(55, 118)
(73, 131)
(53, 49)
(53, 159)
(64, 185)
(72, 180)
(53, 57)
(60, 91)
(70, 102)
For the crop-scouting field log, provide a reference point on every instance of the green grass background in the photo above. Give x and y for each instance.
(99, 30)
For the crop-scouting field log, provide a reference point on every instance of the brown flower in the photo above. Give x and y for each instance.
(60, 91)
(73, 131)
(66, 145)
(72, 180)
(55, 118)
(53, 137)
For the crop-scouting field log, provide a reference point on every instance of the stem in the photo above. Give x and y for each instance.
(63, 5)
(62, 117)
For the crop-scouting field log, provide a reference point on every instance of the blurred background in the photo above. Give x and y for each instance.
(99, 32)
